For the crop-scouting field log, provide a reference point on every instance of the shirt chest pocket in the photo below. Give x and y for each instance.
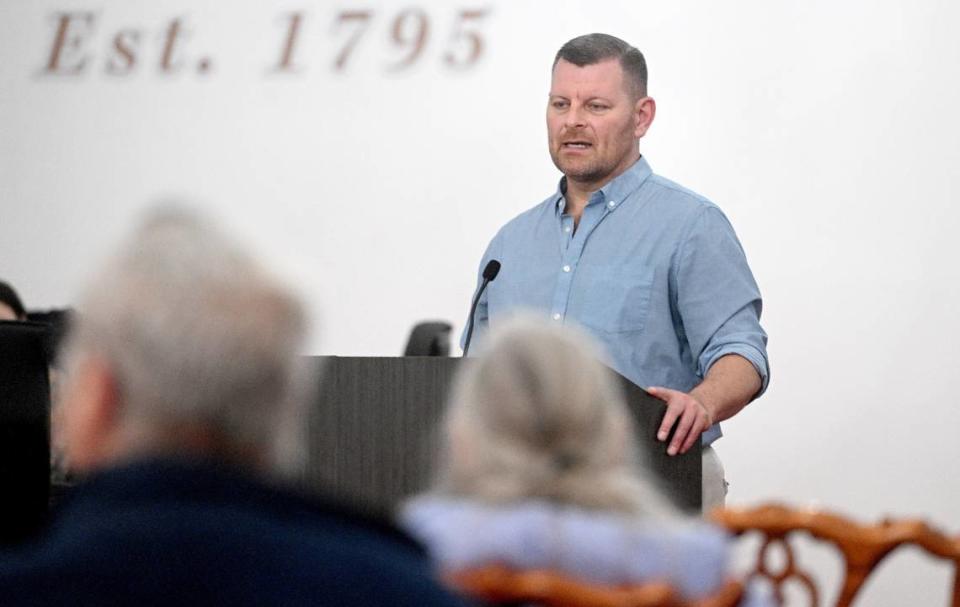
(613, 300)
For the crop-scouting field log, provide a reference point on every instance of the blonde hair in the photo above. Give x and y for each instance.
(538, 416)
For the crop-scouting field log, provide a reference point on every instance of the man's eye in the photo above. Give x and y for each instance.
(598, 107)
(559, 104)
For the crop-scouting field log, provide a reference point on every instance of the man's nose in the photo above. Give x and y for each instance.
(576, 117)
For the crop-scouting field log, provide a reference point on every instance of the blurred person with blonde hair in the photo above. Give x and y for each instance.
(182, 410)
(542, 472)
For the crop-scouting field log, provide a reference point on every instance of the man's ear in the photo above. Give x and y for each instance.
(90, 414)
(644, 111)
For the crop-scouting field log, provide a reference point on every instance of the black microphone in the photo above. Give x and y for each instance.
(489, 273)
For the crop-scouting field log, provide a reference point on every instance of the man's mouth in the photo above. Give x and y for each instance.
(577, 145)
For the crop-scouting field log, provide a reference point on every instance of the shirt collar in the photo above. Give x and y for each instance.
(616, 190)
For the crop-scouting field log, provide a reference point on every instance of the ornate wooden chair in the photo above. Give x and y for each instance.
(863, 547)
(498, 584)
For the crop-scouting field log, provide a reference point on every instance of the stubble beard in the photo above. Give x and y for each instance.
(590, 171)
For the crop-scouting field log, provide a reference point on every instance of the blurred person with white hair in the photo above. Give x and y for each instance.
(181, 412)
(542, 472)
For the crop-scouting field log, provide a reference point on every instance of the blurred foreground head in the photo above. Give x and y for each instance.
(11, 308)
(538, 416)
(184, 346)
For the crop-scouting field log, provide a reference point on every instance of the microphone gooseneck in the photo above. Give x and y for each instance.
(490, 272)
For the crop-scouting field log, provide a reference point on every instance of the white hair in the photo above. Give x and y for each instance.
(198, 336)
(538, 416)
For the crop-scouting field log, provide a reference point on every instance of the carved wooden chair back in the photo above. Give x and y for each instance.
(498, 584)
(862, 547)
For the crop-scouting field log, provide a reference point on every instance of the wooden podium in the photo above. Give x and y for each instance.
(374, 431)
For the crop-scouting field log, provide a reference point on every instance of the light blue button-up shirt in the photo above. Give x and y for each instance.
(654, 271)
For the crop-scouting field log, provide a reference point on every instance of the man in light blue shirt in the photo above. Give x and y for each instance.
(653, 270)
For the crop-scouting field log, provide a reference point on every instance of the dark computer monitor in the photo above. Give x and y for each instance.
(24, 429)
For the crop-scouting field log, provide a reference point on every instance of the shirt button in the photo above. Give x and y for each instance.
(611, 204)
(556, 316)
(566, 268)
(567, 229)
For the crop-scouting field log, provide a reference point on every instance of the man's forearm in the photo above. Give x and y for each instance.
(730, 384)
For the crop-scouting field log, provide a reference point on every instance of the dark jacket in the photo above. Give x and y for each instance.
(179, 533)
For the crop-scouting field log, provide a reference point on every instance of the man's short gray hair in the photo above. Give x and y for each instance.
(538, 416)
(591, 49)
(197, 335)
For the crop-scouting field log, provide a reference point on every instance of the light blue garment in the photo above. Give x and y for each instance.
(597, 547)
(654, 271)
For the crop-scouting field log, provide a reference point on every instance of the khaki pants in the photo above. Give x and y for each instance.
(714, 481)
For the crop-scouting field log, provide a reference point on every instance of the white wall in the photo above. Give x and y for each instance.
(827, 131)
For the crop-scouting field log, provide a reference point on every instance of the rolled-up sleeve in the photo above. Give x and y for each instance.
(718, 300)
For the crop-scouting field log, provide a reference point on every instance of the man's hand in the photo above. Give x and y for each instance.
(693, 415)
(730, 384)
